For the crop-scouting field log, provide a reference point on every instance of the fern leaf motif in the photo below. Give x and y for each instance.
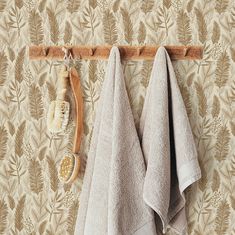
(215, 107)
(222, 70)
(222, 144)
(3, 68)
(216, 181)
(110, 29)
(184, 30)
(19, 139)
(19, 214)
(67, 33)
(54, 180)
(222, 218)
(19, 65)
(35, 28)
(35, 177)
(202, 27)
(35, 102)
(3, 217)
(51, 91)
(216, 33)
(202, 101)
(128, 26)
(54, 26)
(3, 142)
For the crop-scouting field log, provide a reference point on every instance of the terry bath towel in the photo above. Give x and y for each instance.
(111, 201)
(168, 147)
(133, 185)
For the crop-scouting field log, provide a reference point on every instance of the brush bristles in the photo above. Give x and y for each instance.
(58, 116)
(66, 168)
(69, 168)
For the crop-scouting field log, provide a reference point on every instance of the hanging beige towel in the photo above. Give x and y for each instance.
(111, 201)
(124, 192)
(168, 147)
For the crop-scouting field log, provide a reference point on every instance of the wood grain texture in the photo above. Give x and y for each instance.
(127, 52)
(77, 92)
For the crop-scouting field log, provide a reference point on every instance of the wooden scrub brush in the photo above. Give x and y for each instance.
(58, 113)
(69, 168)
(70, 163)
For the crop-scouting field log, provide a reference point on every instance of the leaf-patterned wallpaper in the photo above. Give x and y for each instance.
(32, 200)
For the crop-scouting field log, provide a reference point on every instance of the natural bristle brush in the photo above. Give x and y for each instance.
(70, 163)
(58, 113)
(69, 168)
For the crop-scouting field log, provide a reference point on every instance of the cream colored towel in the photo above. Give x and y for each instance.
(111, 201)
(168, 146)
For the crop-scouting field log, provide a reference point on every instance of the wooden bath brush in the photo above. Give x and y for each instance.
(70, 164)
(69, 168)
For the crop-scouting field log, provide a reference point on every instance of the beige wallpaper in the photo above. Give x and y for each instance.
(32, 200)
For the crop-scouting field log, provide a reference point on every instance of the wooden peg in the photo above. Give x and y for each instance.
(46, 51)
(70, 53)
(139, 51)
(91, 52)
(102, 52)
(185, 51)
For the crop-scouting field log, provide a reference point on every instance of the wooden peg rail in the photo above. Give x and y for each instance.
(102, 52)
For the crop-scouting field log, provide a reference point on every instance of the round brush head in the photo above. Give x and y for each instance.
(69, 168)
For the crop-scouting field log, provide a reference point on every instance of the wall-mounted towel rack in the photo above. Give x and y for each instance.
(102, 52)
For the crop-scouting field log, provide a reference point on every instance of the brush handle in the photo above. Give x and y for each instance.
(77, 92)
